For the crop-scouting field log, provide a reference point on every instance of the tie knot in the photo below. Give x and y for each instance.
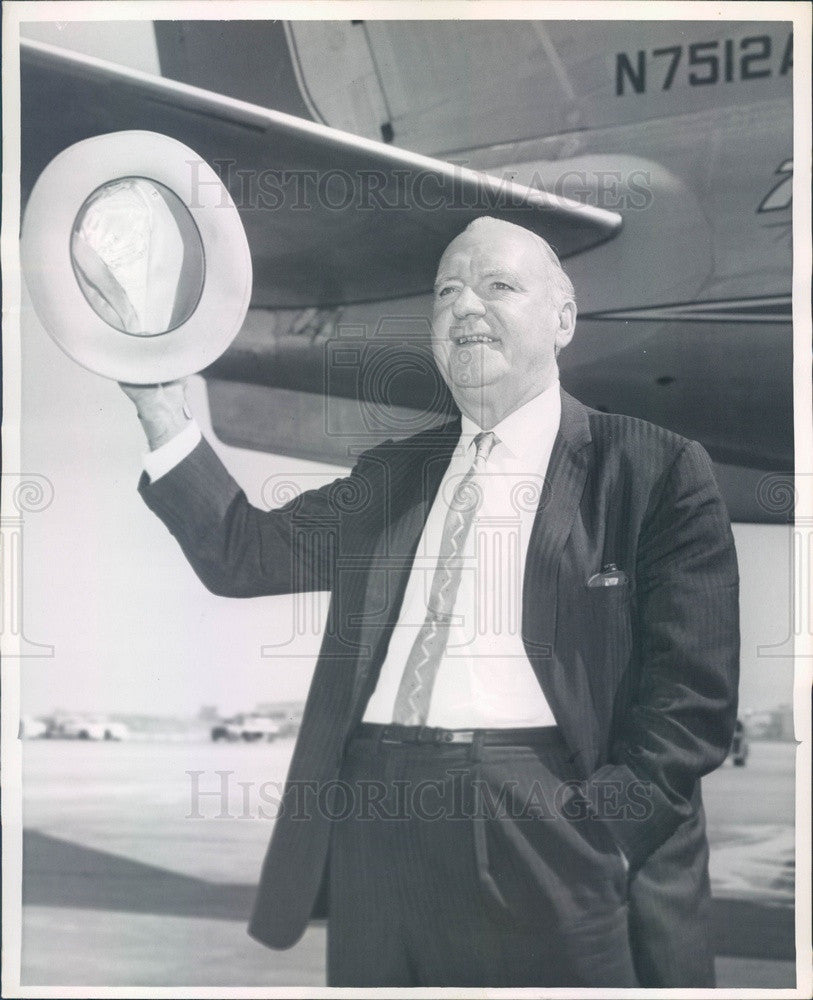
(484, 442)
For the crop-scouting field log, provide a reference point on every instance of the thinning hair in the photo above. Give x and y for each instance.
(559, 284)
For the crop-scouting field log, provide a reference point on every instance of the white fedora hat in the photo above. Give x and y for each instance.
(135, 257)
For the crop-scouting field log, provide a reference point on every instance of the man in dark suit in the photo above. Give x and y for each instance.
(530, 661)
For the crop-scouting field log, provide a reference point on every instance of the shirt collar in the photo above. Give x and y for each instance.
(527, 428)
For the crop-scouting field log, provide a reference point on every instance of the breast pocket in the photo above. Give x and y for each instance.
(609, 620)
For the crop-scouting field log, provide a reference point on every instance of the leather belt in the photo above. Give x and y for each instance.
(396, 734)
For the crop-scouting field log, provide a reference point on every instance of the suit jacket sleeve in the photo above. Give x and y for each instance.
(679, 724)
(238, 550)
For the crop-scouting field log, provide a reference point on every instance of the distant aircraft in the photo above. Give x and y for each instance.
(657, 157)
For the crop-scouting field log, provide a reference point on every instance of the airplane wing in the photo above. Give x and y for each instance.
(331, 218)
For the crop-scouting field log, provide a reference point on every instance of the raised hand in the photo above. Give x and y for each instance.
(161, 409)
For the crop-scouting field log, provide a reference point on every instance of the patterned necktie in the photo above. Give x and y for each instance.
(415, 689)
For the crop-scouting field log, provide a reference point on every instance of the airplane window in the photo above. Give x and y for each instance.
(138, 256)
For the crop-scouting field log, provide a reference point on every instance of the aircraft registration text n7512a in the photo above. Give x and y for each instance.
(699, 64)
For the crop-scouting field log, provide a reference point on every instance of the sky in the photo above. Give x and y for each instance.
(131, 627)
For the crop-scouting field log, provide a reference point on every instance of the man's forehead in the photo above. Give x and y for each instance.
(487, 247)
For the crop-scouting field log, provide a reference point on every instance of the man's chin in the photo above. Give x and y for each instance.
(475, 396)
(474, 379)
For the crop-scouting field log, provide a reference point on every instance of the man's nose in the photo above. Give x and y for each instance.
(467, 303)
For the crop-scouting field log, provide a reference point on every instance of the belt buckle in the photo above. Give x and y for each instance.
(463, 736)
(442, 736)
(426, 734)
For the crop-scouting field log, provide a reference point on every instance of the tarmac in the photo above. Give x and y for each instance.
(141, 859)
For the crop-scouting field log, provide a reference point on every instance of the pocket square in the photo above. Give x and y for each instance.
(610, 576)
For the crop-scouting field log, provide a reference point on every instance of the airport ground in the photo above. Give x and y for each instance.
(141, 858)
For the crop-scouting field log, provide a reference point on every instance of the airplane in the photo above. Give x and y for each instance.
(657, 158)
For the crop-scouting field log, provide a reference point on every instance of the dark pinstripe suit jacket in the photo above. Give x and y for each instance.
(642, 677)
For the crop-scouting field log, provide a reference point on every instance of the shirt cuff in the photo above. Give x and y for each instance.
(159, 462)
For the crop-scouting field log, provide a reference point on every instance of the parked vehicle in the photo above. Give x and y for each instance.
(85, 729)
(249, 728)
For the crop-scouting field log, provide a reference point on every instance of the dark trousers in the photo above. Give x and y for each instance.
(462, 865)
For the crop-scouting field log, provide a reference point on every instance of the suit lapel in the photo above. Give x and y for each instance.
(415, 471)
(564, 485)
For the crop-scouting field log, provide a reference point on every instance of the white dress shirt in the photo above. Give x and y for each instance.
(485, 679)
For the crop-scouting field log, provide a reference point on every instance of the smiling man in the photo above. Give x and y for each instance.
(531, 661)
(503, 310)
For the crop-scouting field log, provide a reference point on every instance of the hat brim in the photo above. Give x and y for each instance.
(55, 202)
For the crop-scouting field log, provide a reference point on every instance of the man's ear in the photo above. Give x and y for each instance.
(567, 325)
